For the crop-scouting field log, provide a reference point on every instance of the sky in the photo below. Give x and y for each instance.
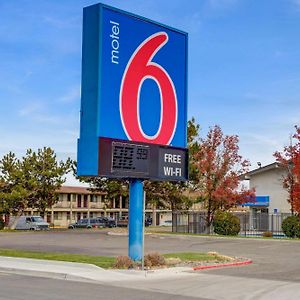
(243, 72)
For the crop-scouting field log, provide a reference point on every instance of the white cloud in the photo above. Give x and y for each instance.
(296, 2)
(62, 23)
(30, 109)
(72, 181)
(71, 96)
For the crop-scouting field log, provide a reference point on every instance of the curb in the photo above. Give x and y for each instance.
(235, 264)
(117, 233)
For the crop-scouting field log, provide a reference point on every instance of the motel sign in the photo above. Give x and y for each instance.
(134, 97)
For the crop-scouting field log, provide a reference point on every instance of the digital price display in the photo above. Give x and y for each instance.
(126, 159)
(130, 158)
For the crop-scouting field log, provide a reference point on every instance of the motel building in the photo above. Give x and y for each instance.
(271, 197)
(77, 203)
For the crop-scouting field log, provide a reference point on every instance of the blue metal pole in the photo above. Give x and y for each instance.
(136, 217)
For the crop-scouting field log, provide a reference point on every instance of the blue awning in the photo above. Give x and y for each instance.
(259, 201)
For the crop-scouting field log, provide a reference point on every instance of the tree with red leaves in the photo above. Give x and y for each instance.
(219, 170)
(290, 160)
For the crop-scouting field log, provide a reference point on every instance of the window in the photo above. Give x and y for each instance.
(85, 201)
(57, 215)
(37, 219)
(93, 198)
(69, 197)
(79, 201)
(68, 215)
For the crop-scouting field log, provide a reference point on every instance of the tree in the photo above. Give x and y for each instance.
(167, 195)
(16, 193)
(48, 174)
(193, 146)
(289, 159)
(31, 182)
(219, 169)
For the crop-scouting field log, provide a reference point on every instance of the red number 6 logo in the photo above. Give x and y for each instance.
(139, 68)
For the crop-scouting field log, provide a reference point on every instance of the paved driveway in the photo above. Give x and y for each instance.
(272, 259)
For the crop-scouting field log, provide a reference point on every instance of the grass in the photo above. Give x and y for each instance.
(105, 262)
(195, 256)
(100, 261)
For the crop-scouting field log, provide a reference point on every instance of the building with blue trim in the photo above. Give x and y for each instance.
(271, 197)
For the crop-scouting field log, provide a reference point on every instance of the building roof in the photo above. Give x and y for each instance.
(259, 170)
(78, 190)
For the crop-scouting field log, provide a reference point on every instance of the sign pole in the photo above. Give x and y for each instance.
(136, 228)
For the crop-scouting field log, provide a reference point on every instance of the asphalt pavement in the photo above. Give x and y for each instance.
(273, 259)
(274, 274)
(175, 282)
(19, 287)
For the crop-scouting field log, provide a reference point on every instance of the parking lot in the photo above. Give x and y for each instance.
(272, 259)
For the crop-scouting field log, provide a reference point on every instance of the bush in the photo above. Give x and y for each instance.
(267, 234)
(291, 226)
(154, 260)
(123, 262)
(226, 223)
(2, 224)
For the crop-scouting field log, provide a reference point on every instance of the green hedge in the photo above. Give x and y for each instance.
(226, 223)
(291, 226)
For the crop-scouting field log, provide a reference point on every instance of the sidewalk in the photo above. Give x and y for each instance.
(83, 272)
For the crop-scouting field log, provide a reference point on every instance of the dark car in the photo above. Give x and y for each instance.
(148, 222)
(109, 222)
(88, 223)
(123, 221)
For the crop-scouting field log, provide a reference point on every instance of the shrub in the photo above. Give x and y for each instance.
(267, 234)
(291, 226)
(123, 262)
(2, 224)
(154, 260)
(226, 223)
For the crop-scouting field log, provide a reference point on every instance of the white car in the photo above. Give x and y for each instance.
(32, 223)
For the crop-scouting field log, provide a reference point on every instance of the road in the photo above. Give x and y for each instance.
(272, 259)
(274, 274)
(17, 287)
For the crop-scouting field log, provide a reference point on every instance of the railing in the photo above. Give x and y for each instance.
(252, 224)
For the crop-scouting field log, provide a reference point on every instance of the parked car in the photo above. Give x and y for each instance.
(88, 223)
(32, 223)
(148, 222)
(109, 222)
(166, 223)
(123, 221)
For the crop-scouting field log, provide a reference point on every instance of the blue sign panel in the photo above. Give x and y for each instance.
(134, 83)
(259, 201)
